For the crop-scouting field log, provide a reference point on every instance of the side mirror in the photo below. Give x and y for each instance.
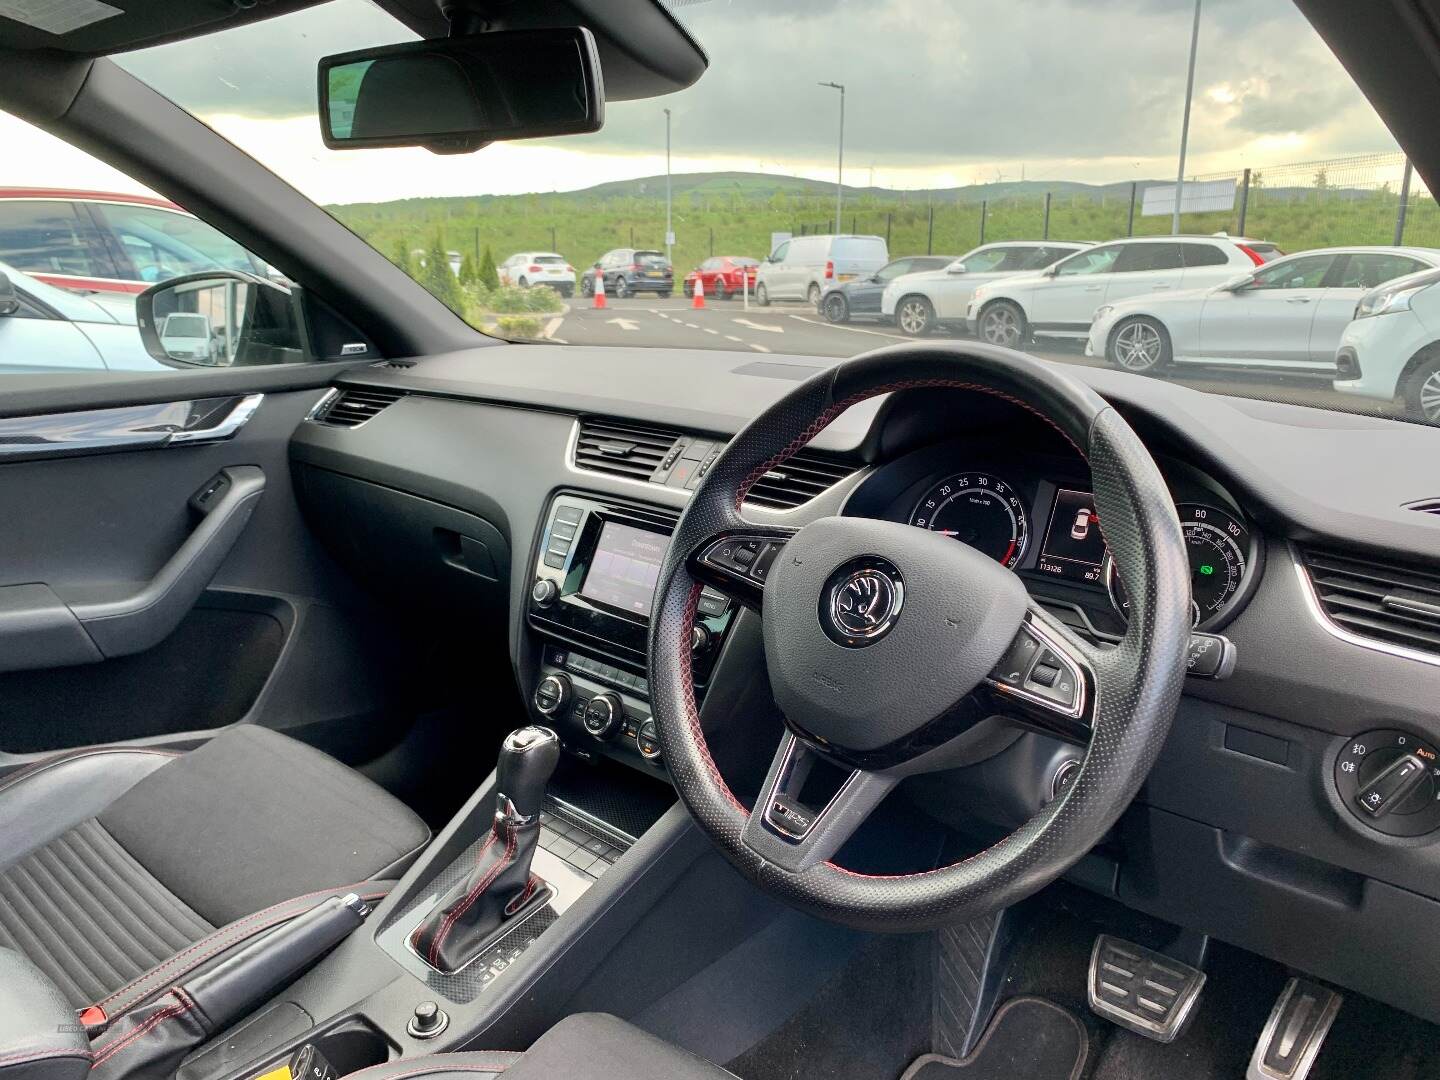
(221, 318)
(455, 95)
(9, 299)
(955, 268)
(1237, 284)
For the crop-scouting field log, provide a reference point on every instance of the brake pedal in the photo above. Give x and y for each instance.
(1142, 990)
(1295, 1032)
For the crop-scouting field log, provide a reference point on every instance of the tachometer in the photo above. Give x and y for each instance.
(1217, 545)
(977, 509)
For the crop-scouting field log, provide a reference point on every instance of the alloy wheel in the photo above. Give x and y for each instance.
(1001, 326)
(1138, 346)
(1430, 397)
(914, 319)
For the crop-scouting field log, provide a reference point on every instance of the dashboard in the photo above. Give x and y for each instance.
(1034, 513)
(1252, 825)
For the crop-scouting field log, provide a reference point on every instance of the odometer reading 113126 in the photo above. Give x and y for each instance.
(1217, 545)
(977, 509)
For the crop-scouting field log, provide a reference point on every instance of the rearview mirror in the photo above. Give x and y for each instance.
(956, 267)
(9, 299)
(221, 318)
(455, 95)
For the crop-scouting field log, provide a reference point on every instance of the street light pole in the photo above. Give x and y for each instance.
(669, 255)
(1185, 123)
(840, 167)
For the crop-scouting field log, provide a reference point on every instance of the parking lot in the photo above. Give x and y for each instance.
(651, 322)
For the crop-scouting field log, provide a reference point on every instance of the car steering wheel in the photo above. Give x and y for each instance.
(889, 648)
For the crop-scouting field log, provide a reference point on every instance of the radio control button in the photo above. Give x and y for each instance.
(569, 515)
(544, 592)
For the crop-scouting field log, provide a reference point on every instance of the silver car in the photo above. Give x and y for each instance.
(1287, 315)
(43, 328)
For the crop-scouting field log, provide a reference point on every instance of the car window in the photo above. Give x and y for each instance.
(1369, 269)
(1306, 272)
(87, 256)
(52, 236)
(980, 262)
(1203, 255)
(781, 252)
(1140, 257)
(895, 269)
(1098, 260)
(1017, 258)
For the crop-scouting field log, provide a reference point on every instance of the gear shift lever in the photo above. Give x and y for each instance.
(473, 913)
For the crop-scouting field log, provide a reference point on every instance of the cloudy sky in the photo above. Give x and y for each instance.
(940, 93)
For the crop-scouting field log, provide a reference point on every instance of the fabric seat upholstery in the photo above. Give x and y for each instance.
(585, 1046)
(121, 869)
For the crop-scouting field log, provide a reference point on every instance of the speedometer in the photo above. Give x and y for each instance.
(977, 509)
(1217, 545)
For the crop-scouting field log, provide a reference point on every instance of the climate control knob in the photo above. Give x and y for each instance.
(552, 694)
(544, 592)
(604, 715)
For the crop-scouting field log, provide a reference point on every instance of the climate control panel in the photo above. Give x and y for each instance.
(597, 707)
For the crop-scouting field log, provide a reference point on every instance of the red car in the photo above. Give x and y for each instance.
(108, 242)
(723, 275)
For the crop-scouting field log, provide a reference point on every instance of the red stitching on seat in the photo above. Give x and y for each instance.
(224, 938)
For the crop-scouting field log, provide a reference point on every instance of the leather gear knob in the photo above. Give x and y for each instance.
(528, 758)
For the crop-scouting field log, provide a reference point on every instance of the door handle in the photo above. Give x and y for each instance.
(1297, 300)
(1093, 288)
(130, 427)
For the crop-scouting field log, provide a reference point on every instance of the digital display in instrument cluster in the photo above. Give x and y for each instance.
(1073, 547)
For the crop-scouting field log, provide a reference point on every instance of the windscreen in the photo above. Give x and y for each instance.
(933, 127)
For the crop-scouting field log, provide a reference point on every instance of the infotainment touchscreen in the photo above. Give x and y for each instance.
(625, 567)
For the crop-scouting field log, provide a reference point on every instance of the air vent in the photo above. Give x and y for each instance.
(1386, 601)
(352, 407)
(621, 448)
(1425, 506)
(797, 481)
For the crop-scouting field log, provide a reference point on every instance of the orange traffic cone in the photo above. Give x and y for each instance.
(599, 290)
(699, 300)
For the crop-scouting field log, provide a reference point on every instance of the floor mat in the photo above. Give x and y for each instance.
(1029, 1039)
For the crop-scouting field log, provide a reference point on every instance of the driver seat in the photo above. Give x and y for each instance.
(585, 1046)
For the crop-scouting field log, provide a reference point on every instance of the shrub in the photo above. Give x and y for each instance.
(512, 300)
(488, 276)
(518, 326)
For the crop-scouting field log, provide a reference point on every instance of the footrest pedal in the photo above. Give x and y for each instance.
(1142, 990)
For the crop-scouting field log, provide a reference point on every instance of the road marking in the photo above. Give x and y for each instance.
(691, 325)
(852, 329)
(731, 337)
(624, 324)
(551, 327)
(709, 331)
(760, 326)
(758, 348)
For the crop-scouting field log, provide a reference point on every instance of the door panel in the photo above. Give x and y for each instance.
(1267, 322)
(270, 630)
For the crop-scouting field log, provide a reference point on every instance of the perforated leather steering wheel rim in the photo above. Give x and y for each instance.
(1137, 683)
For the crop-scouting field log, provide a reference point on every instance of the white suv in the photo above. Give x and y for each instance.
(917, 303)
(1392, 347)
(1061, 301)
(538, 268)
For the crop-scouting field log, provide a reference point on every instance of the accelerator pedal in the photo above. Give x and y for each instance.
(1142, 990)
(1295, 1031)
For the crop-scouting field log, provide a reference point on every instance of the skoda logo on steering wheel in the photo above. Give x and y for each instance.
(861, 601)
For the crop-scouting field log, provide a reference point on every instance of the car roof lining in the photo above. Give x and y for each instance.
(644, 51)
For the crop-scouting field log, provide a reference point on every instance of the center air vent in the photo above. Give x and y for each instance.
(622, 448)
(1384, 600)
(351, 407)
(797, 481)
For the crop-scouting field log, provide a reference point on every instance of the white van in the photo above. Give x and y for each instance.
(801, 267)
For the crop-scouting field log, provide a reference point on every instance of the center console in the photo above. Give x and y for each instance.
(595, 570)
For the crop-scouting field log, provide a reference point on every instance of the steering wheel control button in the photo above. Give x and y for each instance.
(428, 1021)
(604, 715)
(552, 694)
(1390, 781)
(1045, 674)
(1142, 990)
(861, 601)
(712, 604)
(1038, 669)
(1064, 778)
(1017, 661)
(1209, 656)
(760, 568)
(1393, 786)
(647, 741)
